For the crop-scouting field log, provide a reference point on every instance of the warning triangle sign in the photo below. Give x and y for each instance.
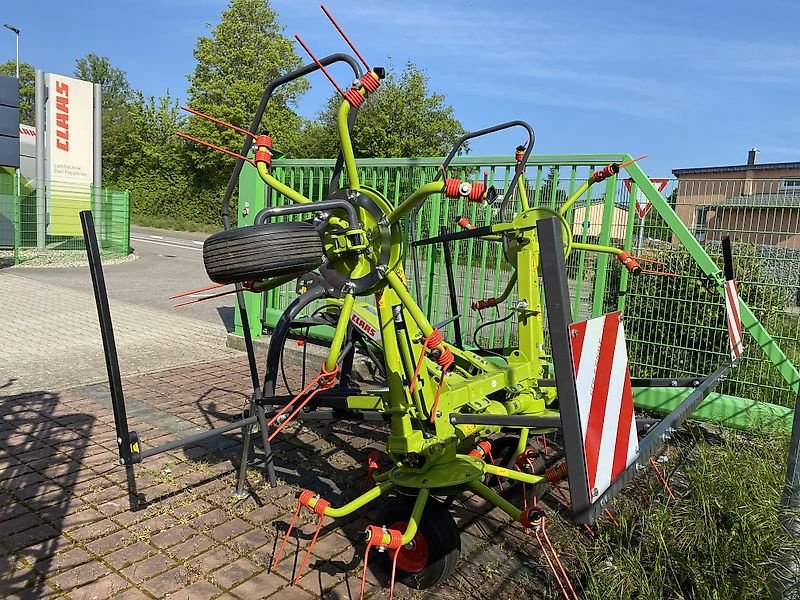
(643, 205)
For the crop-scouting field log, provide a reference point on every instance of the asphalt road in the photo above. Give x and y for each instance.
(170, 262)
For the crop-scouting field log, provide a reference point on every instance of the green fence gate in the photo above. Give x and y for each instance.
(30, 236)
(675, 325)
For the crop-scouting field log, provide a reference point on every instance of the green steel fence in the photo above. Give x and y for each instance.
(675, 324)
(49, 231)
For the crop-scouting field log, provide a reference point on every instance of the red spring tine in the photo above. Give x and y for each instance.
(630, 162)
(205, 298)
(344, 35)
(202, 289)
(212, 146)
(218, 121)
(319, 64)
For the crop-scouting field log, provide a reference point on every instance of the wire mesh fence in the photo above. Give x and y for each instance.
(675, 317)
(41, 224)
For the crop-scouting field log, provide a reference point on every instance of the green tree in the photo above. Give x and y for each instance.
(27, 89)
(404, 118)
(245, 51)
(117, 123)
(156, 171)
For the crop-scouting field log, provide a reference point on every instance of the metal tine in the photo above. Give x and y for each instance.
(218, 121)
(344, 35)
(205, 298)
(214, 147)
(202, 289)
(320, 65)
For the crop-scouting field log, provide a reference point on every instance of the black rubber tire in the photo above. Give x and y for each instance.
(440, 533)
(256, 252)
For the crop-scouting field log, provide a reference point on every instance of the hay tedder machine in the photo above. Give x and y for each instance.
(459, 418)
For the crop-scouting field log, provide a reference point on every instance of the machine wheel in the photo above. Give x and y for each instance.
(432, 555)
(257, 252)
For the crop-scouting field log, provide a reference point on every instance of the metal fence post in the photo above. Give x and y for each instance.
(786, 582)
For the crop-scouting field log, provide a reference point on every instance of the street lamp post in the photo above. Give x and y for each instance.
(16, 32)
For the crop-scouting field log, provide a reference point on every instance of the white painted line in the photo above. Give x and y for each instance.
(170, 244)
(158, 237)
(198, 242)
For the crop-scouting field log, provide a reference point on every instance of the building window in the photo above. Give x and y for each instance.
(792, 183)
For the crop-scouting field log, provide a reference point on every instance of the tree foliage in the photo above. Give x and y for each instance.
(404, 118)
(245, 51)
(27, 89)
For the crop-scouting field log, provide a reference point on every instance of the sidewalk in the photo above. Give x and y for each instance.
(69, 532)
(50, 337)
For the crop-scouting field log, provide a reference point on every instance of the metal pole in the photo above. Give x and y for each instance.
(98, 136)
(786, 580)
(641, 236)
(40, 183)
(97, 170)
(559, 318)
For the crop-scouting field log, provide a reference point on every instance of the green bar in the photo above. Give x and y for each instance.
(587, 207)
(341, 331)
(347, 145)
(537, 190)
(416, 515)
(628, 244)
(418, 196)
(490, 495)
(605, 239)
(728, 411)
(357, 503)
(17, 218)
(580, 160)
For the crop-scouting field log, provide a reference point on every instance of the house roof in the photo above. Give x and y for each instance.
(737, 168)
(784, 199)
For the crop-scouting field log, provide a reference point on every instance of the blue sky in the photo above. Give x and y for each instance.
(689, 83)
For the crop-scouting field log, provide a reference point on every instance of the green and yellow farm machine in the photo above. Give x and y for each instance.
(459, 418)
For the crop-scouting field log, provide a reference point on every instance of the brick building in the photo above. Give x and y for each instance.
(757, 203)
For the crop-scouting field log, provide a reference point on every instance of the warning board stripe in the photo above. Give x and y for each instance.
(599, 400)
(626, 432)
(733, 319)
(605, 399)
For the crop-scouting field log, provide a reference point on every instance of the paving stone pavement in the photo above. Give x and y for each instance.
(50, 337)
(69, 532)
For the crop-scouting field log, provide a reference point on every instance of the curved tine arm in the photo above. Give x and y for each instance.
(487, 131)
(295, 209)
(268, 91)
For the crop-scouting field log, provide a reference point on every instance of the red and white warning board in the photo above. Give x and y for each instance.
(605, 399)
(733, 318)
(643, 205)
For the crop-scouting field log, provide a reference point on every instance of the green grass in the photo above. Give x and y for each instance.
(173, 223)
(720, 539)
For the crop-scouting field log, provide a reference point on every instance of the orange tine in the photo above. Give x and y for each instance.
(219, 121)
(655, 262)
(660, 273)
(213, 147)
(630, 162)
(205, 298)
(319, 64)
(344, 35)
(202, 289)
